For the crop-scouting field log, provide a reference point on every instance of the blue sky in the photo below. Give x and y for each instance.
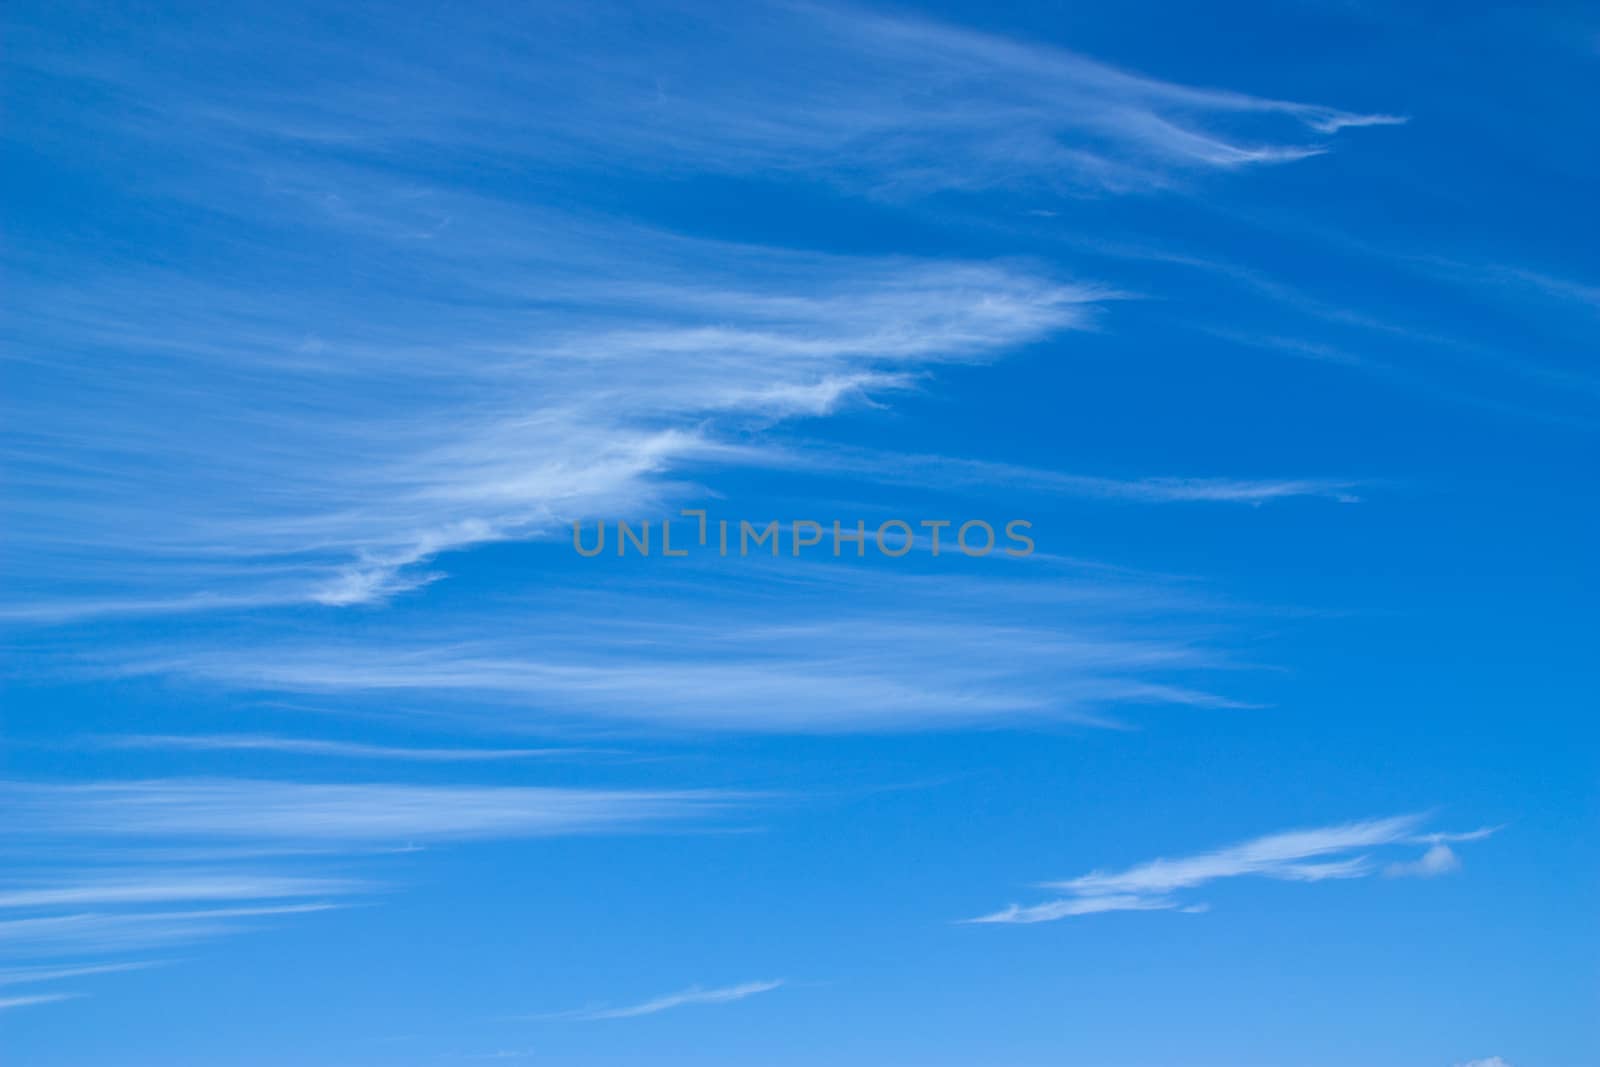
(325, 324)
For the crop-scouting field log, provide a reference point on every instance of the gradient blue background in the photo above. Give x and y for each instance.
(1425, 649)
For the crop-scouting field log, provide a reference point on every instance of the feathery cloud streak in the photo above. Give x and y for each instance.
(692, 996)
(147, 903)
(19, 975)
(503, 425)
(303, 746)
(7, 1003)
(1314, 855)
(174, 886)
(808, 654)
(272, 810)
(495, 368)
(945, 472)
(890, 101)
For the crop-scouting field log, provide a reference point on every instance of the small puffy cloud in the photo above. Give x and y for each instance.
(1440, 859)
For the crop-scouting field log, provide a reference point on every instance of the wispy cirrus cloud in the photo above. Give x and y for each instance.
(946, 472)
(275, 810)
(22, 975)
(889, 101)
(139, 904)
(7, 1003)
(775, 685)
(1581, 292)
(168, 886)
(998, 111)
(693, 996)
(504, 367)
(147, 902)
(74, 933)
(1314, 855)
(580, 403)
(306, 746)
(1407, 348)
(928, 652)
(1440, 858)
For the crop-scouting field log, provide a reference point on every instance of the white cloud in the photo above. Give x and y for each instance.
(1440, 859)
(998, 111)
(924, 652)
(1456, 838)
(173, 886)
(1312, 855)
(73, 933)
(686, 998)
(894, 103)
(945, 472)
(28, 975)
(582, 405)
(99, 910)
(7, 1003)
(318, 747)
(1276, 856)
(241, 808)
(1061, 909)
(503, 368)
